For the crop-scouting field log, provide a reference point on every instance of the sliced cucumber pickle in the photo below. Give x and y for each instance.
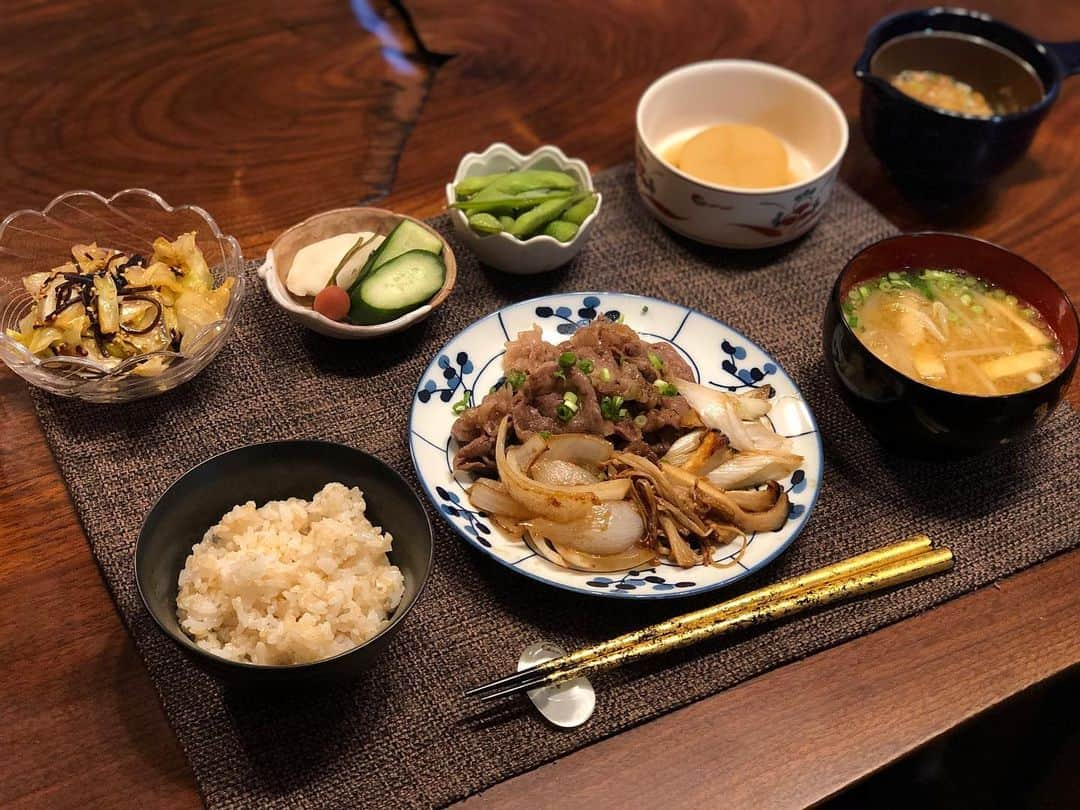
(406, 236)
(397, 286)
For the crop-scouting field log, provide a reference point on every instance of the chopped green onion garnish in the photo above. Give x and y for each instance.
(920, 284)
(567, 359)
(666, 388)
(965, 299)
(977, 309)
(885, 284)
(559, 373)
(1011, 300)
(515, 378)
(545, 434)
(612, 407)
(656, 362)
(462, 404)
(570, 398)
(640, 420)
(605, 374)
(864, 291)
(894, 276)
(564, 413)
(585, 365)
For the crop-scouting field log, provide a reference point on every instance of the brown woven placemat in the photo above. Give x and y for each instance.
(402, 735)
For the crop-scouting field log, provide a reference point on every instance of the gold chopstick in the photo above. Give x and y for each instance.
(882, 568)
(861, 562)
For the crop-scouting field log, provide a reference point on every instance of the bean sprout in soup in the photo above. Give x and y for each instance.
(954, 331)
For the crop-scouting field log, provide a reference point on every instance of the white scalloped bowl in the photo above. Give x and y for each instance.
(501, 250)
(130, 220)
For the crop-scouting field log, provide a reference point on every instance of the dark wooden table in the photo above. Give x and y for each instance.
(267, 112)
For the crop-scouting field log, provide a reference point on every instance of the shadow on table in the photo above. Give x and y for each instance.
(362, 358)
(743, 260)
(955, 488)
(292, 732)
(573, 619)
(522, 287)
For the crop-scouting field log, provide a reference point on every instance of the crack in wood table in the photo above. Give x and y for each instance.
(265, 113)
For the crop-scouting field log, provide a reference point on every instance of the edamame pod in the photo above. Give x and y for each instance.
(485, 223)
(506, 221)
(507, 205)
(561, 229)
(536, 218)
(533, 179)
(528, 183)
(471, 185)
(578, 212)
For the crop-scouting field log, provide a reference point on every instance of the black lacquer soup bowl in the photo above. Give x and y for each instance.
(916, 419)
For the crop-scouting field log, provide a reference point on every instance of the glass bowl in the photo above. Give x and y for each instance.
(130, 220)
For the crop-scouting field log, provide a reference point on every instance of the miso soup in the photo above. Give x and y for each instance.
(953, 331)
(942, 91)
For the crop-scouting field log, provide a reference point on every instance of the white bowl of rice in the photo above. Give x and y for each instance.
(307, 575)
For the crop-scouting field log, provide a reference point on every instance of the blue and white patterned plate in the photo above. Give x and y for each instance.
(471, 364)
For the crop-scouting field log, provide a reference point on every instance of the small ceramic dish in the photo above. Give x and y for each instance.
(911, 417)
(275, 270)
(799, 112)
(268, 472)
(935, 155)
(501, 250)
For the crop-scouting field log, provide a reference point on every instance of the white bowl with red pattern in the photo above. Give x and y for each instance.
(799, 112)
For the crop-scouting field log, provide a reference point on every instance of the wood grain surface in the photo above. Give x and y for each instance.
(267, 112)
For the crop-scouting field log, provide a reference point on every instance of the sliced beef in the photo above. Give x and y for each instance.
(640, 448)
(529, 352)
(484, 418)
(670, 413)
(477, 455)
(675, 368)
(627, 430)
(620, 367)
(476, 428)
(537, 402)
